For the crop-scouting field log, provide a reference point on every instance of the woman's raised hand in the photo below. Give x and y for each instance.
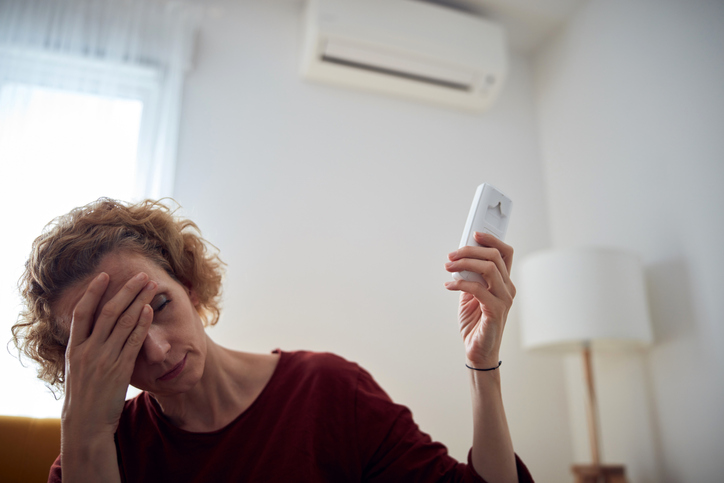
(483, 310)
(101, 354)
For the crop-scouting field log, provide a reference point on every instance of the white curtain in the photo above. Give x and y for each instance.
(135, 49)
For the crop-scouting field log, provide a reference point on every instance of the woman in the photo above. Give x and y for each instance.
(118, 294)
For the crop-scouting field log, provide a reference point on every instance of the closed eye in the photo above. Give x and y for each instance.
(159, 303)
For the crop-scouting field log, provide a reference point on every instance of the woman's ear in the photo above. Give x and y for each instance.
(193, 296)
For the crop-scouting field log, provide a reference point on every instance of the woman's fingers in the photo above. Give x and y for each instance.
(84, 311)
(486, 268)
(130, 320)
(498, 282)
(113, 310)
(492, 262)
(135, 339)
(505, 250)
(482, 253)
(483, 295)
(494, 308)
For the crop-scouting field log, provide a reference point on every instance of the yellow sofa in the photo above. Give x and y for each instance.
(28, 447)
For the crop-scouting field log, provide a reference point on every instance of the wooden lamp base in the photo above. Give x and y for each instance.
(596, 472)
(599, 473)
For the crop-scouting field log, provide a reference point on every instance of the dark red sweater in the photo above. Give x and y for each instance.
(319, 419)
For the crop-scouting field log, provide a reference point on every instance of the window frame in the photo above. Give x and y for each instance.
(74, 73)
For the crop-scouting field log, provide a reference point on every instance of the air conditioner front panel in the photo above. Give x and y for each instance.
(336, 75)
(408, 25)
(390, 46)
(402, 64)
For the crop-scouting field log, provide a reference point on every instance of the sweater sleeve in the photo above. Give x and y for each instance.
(392, 448)
(55, 475)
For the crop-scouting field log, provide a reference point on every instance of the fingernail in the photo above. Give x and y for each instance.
(101, 276)
(453, 254)
(448, 264)
(141, 276)
(150, 286)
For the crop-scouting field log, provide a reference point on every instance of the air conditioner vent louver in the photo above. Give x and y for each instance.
(398, 73)
(401, 65)
(405, 48)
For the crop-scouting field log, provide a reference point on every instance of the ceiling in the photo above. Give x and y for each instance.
(527, 22)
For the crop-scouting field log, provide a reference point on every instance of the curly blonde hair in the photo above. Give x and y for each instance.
(71, 247)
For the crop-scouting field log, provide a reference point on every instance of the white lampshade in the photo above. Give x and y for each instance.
(570, 297)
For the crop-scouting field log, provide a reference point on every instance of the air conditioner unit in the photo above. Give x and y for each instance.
(407, 48)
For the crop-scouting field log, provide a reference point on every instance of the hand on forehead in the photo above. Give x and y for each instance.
(120, 267)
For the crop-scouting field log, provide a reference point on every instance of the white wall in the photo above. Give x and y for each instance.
(335, 211)
(631, 114)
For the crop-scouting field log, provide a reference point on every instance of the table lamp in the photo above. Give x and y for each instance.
(583, 299)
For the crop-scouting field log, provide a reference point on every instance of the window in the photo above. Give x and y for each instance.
(90, 95)
(59, 149)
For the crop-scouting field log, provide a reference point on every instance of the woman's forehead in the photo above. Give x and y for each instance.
(120, 267)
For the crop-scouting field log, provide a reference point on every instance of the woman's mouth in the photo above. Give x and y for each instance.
(175, 371)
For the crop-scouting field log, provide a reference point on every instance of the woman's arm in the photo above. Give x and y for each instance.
(99, 362)
(482, 315)
(492, 455)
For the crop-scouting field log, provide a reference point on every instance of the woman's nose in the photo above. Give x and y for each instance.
(156, 346)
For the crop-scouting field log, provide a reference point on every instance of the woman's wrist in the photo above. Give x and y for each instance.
(77, 435)
(91, 460)
(483, 362)
(83, 443)
(92, 427)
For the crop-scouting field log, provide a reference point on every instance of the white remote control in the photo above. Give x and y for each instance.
(489, 213)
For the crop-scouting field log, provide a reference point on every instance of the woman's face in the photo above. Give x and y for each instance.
(173, 355)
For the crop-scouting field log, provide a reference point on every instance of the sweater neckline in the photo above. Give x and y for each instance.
(162, 419)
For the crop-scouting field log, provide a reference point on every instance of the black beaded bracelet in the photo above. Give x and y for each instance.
(490, 369)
